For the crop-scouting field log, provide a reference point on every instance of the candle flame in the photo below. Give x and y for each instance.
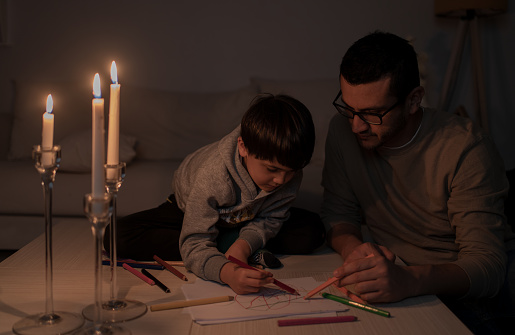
(114, 73)
(97, 93)
(49, 104)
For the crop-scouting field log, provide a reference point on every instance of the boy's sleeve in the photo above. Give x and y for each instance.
(269, 219)
(197, 241)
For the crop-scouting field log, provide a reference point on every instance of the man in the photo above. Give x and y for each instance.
(429, 185)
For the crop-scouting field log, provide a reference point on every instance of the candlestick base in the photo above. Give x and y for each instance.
(115, 309)
(43, 323)
(47, 162)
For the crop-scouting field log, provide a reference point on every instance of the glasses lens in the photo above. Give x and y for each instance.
(372, 119)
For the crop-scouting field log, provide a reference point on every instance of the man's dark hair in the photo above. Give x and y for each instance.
(379, 55)
(279, 127)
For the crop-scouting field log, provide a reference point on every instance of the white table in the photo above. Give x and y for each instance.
(22, 292)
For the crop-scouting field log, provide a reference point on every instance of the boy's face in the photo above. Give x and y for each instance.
(266, 175)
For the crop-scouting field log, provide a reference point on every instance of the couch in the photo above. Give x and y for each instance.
(158, 129)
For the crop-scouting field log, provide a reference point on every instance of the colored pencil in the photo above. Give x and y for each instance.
(170, 268)
(348, 302)
(315, 321)
(329, 282)
(136, 265)
(188, 303)
(158, 283)
(276, 282)
(138, 274)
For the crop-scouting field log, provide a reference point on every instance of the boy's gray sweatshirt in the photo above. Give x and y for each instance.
(212, 184)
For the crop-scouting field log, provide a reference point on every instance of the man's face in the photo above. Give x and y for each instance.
(266, 175)
(374, 97)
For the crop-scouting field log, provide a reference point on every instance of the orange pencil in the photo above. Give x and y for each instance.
(170, 268)
(329, 282)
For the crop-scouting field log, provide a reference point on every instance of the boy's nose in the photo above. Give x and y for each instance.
(279, 178)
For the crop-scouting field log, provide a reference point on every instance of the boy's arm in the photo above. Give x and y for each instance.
(274, 211)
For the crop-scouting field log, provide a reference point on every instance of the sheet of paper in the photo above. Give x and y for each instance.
(270, 302)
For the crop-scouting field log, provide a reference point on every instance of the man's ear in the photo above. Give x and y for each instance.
(415, 99)
(241, 148)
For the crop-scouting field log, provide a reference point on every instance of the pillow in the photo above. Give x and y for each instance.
(171, 125)
(316, 94)
(76, 151)
(168, 125)
(72, 110)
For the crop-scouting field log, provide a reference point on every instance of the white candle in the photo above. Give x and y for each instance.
(47, 137)
(113, 139)
(97, 144)
(48, 124)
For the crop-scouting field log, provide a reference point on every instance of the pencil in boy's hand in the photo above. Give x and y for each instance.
(276, 282)
(170, 268)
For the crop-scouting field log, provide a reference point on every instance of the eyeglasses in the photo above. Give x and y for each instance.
(368, 117)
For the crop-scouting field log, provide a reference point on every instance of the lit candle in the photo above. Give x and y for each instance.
(97, 144)
(113, 139)
(47, 140)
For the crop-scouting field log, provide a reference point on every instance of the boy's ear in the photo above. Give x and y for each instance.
(241, 148)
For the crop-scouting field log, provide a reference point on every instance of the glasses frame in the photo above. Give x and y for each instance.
(343, 109)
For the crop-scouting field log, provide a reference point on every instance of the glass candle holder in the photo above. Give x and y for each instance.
(115, 309)
(98, 211)
(50, 322)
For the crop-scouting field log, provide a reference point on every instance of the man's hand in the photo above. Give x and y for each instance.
(369, 250)
(244, 281)
(376, 278)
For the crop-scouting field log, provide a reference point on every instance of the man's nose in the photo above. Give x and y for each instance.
(358, 125)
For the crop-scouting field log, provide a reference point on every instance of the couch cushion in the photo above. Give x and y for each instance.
(170, 125)
(167, 125)
(316, 94)
(146, 185)
(76, 151)
(72, 110)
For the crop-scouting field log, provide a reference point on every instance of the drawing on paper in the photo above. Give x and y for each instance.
(270, 299)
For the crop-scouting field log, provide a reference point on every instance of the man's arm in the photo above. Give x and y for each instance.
(377, 279)
(371, 270)
(344, 238)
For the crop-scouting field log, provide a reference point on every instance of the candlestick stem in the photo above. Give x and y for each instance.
(115, 309)
(98, 211)
(47, 162)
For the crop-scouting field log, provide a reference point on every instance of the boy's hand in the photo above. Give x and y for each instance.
(244, 281)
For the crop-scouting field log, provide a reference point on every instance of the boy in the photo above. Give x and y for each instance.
(233, 197)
